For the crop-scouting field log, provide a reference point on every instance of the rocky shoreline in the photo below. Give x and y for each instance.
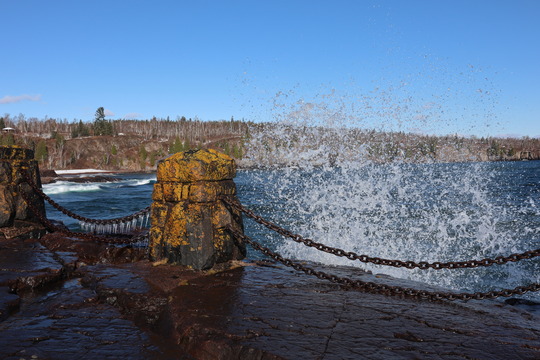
(61, 298)
(51, 177)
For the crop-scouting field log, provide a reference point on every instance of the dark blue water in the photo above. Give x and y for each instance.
(431, 212)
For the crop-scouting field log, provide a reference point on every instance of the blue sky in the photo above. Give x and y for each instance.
(467, 67)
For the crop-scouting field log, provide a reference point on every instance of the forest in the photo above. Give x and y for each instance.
(137, 145)
(119, 144)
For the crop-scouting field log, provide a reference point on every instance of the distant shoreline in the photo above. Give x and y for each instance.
(81, 171)
(90, 172)
(241, 165)
(84, 175)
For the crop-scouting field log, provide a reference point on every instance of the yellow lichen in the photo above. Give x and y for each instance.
(186, 207)
(175, 232)
(204, 164)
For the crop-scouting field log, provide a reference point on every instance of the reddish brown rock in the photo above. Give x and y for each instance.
(137, 310)
(15, 162)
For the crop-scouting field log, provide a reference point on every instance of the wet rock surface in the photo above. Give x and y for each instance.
(23, 230)
(68, 322)
(27, 265)
(293, 316)
(92, 301)
(9, 302)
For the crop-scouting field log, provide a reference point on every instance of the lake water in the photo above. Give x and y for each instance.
(419, 212)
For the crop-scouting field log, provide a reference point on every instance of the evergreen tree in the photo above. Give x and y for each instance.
(83, 129)
(41, 153)
(74, 132)
(177, 146)
(7, 139)
(100, 114)
(102, 126)
(2, 123)
(143, 153)
(79, 130)
(237, 151)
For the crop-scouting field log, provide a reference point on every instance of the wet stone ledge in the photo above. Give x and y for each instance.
(26, 265)
(68, 322)
(111, 303)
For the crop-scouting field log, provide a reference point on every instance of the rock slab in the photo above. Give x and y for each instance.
(61, 298)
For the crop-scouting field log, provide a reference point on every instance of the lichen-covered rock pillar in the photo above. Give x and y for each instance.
(15, 161)
(188, 218)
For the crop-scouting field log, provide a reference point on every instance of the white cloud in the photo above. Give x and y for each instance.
(8, 99)
(108, 112)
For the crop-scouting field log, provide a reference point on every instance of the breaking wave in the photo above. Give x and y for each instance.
(61, 187)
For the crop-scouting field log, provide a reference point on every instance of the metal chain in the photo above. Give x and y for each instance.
(85, 236)
(79, 217)
(423, 265)
(382, 288)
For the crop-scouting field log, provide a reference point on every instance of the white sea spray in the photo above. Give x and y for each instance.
(324, 181)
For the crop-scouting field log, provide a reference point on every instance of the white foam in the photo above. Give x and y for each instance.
(140, 182)
(80, 171)
(60, 187)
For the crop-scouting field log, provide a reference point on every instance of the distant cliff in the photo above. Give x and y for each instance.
(141, 144)
(121, 152)
(131, 145)
(278, 144)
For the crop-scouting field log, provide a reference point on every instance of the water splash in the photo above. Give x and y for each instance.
(389, 194)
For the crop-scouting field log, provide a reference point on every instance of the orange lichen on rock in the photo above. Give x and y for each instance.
(15, 162)
(188, 218)
(190, 166)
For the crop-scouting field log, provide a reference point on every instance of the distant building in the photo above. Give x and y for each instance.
(8, 130)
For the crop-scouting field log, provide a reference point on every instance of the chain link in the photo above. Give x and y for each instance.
(79, 217)
(342, 281)
(85, 236)
(423, 265)
(382, 289)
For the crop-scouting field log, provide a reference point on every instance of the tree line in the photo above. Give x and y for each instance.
(119, 144)
(138, 144)
(195, 131)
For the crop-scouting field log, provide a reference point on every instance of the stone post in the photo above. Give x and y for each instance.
(188, 219)
(14, 162)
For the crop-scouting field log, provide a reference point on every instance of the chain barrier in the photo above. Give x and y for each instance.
(85, 236)
(71, 214)
(382, 289)
(423, 265)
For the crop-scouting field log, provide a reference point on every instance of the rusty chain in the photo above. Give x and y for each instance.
(79, 217)
(382, 289)
(85, 236)
(423, 265)
(342, 281)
